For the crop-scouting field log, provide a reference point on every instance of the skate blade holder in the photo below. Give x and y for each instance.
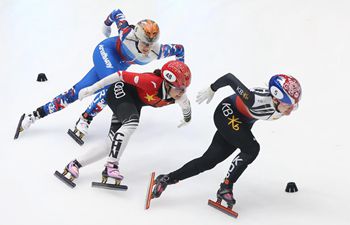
(149, 191)
(19, 128)
(227, 210)
(65, 180)
(109, 186)
(105, 185)
(76, 138)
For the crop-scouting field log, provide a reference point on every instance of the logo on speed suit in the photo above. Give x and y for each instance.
(118, 90)
(233, 121)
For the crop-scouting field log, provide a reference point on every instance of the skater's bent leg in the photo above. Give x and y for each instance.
(218, 151)
(247, 155)
(84, 121)
(97, 105)
(121, 136)
(61, 101)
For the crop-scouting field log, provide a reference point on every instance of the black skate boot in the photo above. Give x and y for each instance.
(160, 185)
(225, 193)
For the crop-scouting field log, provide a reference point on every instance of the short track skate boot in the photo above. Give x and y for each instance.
(81, 128)
(73, 169)
(225, 193)
(160, 184)
(111, 171)
(25, 122)
(28, 120)
(157, 186)
(83, 124)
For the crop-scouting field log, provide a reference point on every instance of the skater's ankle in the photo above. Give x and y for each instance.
(227, 184)
(112, 164)
(77, 163)
(87, 117)
(169, 179)
(39, 113)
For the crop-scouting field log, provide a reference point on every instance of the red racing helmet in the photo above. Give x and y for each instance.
(177, 74)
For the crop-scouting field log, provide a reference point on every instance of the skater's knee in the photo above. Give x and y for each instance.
(210, 165)
(254, 151)
(41, 112)
(251, 152)
(133, 120)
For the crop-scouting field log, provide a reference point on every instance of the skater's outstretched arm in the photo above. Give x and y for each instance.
(116, 17)
(168, 50)
(185, 105)
(227, 80)
(115, 77)
(237, 86)
(144, 81)
(141, 80)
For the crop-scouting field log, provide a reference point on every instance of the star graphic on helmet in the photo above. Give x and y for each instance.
(149, 97)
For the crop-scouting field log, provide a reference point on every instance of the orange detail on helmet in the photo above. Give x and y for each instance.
(147, 31)
(177, 73)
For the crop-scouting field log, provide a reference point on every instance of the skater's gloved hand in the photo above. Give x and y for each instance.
(183, 123)
(106, 30)
(205, 94)
(83, 93)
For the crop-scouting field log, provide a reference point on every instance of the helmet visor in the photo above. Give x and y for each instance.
(178, 89)
(144, 47)
(146, 44)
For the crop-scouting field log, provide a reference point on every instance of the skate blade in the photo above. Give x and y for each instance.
(109, 186)
(75, 137)
(149, 192)
(19, 127)
(223, 208)
(64, 179)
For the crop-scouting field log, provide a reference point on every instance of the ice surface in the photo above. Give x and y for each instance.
(253, 39)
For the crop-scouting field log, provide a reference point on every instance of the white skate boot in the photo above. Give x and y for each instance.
(28, 120)
(25, 122)
(81, 128)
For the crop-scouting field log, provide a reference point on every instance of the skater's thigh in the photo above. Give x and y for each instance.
(127, 111)
(106, 58)
(89, 79)
(124, 108)
(219, 149)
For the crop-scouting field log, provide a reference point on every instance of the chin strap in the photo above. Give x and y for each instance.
(276, 104)
(166, 91)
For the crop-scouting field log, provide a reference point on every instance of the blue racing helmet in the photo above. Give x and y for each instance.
(285, 88)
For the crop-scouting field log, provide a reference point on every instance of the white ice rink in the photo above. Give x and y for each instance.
(253, 39)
